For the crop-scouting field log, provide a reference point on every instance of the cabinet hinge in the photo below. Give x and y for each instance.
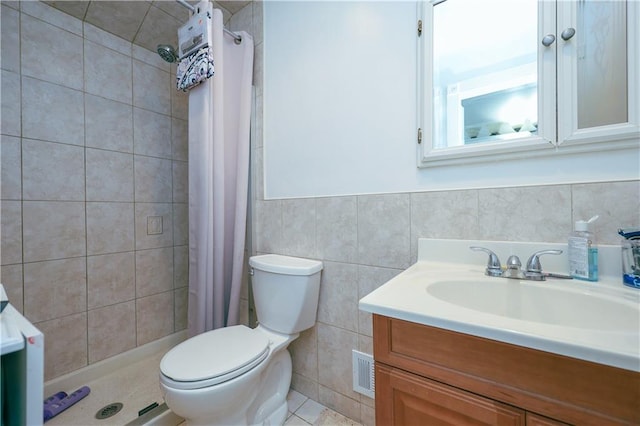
(419, 135)
(419, 27)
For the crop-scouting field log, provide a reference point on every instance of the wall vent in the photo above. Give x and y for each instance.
(363, 374)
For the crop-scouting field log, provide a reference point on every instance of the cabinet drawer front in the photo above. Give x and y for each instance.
(568, 389)
(407, 399)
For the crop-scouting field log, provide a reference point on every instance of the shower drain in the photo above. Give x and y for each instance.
(109, 410)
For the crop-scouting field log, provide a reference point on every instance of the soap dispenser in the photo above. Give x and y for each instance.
(583, 252)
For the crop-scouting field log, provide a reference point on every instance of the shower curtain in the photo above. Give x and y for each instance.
(219, 131)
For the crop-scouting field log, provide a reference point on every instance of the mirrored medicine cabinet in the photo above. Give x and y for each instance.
(499, 79)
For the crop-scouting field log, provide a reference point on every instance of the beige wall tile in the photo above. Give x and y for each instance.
(180, 306)
(147, 80)
(180, 266)
(153, 179)
(44, 119)
(104, 38)
(154, 271)
(109, 124)
(10, 39)
(180, 223)
(11, 104)
(107, 73)
(304, 354)
(180, 182)
(617, 204)
(52, 171)
(334, 359)
(66, 81)
(144, 210)
(50, 53)
(268, 226)
(151, 133)
(150, 57)
(110, 227)
(154, 317)
(111, 330)
(337, 219)
(110, 279)
(384, 230)
(52, 16)
(55, 289)
(299, 227)
(109, 176)
(367, 415)
(344, 405)
(369, 279)
(257, 23)
(258, 173)
(10, 168)
(446, 214)
(180, 139)
(339, 295)
(11, 231)
(305, 386)
(539, 213)
(53, 230)
(179, 104)
(65, 349)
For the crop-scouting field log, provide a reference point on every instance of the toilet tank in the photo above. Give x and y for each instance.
(285, 291)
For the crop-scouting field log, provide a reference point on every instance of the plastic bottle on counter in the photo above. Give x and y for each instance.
(583, 251)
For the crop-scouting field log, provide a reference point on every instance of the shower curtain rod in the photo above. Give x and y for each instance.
(236, 37)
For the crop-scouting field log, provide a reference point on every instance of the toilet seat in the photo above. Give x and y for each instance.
(213, 357)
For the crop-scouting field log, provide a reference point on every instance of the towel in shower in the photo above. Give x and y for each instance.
(194, 69)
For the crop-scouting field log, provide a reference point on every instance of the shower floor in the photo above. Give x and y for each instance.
(136, 387)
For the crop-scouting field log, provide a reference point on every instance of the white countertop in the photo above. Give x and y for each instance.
(615, 343)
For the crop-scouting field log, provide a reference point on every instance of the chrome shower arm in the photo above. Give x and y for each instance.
(187, 5)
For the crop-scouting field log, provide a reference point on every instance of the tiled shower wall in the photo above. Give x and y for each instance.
(94, 165)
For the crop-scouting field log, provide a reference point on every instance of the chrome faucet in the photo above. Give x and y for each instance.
(493, 264)
(533, 270)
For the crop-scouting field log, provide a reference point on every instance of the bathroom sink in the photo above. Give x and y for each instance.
(540, 303)
(447, 288)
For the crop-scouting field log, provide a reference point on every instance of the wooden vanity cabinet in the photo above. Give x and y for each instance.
(431, 376)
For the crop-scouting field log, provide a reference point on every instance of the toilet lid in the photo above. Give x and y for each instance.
(215, 356)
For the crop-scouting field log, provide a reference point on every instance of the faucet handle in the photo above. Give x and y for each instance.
(494, 269)
(533, 264)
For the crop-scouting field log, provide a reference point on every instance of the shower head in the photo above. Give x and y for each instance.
(167, 53)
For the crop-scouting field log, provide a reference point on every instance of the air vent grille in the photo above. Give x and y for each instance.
(363, 374)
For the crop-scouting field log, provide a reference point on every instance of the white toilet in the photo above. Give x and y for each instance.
(238, 375)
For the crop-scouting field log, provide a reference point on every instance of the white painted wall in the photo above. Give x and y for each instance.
(340, 110)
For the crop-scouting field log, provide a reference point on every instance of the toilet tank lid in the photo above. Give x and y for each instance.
(285, 264)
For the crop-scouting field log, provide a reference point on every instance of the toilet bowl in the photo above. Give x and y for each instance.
(238, 375)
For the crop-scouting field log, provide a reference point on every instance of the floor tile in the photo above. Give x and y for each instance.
(295, 400)
(310, 411)
(295, 421)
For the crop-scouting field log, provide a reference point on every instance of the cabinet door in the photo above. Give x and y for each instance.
(598, 72)
(537, 420)
(406, 399)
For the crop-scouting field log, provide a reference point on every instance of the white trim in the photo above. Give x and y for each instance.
(557, 99)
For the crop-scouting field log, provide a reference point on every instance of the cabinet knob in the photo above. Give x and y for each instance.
(548, 40)
(568, 33)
